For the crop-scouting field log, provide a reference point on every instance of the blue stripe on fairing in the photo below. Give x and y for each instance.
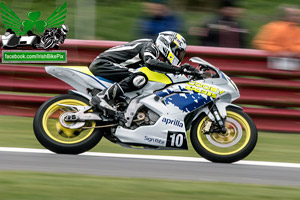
(91, 77)
(104, 79)
(168, 91)
(223, 76)
(169, 78)
(188, 102)
(164, 93)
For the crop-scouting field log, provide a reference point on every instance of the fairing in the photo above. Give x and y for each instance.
(170, 96)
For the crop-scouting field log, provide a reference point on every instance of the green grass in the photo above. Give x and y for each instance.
(17, 132)
(280, 147)
(36, 186)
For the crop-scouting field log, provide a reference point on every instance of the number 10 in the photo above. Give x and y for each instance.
(177, 139)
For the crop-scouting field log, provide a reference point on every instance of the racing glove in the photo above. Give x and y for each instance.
(184, 67)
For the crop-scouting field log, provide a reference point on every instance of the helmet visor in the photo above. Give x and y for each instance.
(179, 53)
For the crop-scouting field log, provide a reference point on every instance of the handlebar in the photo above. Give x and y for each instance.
(196, 73)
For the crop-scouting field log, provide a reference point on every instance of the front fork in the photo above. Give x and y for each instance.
(217, 115)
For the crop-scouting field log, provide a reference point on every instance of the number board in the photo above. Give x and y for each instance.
(177, 140)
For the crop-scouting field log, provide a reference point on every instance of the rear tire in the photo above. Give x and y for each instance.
(53, 136)
(236, 144)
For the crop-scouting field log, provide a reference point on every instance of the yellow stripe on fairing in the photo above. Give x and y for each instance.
(83, 69)
(155, 76)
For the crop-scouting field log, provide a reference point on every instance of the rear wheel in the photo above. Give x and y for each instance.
(237, 143)
(54, 136)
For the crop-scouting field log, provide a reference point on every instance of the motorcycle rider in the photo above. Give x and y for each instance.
(59, 33)
(118, 63)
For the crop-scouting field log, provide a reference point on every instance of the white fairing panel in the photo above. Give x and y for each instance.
(168, 131)
(78, 80)
(177, 78)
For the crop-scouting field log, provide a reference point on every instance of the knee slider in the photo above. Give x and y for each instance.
(139, 81)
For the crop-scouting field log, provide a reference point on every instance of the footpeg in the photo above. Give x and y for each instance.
(119, 116)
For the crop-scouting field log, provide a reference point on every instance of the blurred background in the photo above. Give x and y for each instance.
(269, 94)
(215, 30)
(125, 20)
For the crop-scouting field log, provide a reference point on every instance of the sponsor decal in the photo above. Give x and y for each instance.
(204, 89)
(171, 57)
(155, 140)
(173, 122)
(177, 140)
(164, 41)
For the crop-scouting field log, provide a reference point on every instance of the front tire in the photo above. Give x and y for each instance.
(53, 136)
(237, 143)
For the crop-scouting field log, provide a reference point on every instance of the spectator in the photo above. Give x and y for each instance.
(158, 18)
(224, 30)
(281, 37)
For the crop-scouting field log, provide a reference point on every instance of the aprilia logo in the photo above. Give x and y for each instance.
(173, 122)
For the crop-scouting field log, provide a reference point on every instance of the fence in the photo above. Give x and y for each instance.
(270, 97)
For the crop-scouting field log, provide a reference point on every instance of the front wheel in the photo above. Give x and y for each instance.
(57, 138)
(237, 143)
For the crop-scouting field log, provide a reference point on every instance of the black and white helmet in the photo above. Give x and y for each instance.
(172, 46)
(64, 29)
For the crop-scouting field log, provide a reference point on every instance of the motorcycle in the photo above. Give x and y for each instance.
(51, 39)
(158, 116)
(11, 41)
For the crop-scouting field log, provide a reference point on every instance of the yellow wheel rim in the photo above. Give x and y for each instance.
(56, 131)
(236, 138)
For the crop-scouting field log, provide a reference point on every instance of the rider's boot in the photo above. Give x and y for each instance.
(102, 99)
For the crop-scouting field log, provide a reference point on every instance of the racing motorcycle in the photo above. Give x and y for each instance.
(158, 116)
(51, 38)
(11, 41)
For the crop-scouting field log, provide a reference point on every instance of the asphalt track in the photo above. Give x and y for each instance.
(140, 166)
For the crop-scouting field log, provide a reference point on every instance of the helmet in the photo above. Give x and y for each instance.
(172, 46)
(64, 29)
